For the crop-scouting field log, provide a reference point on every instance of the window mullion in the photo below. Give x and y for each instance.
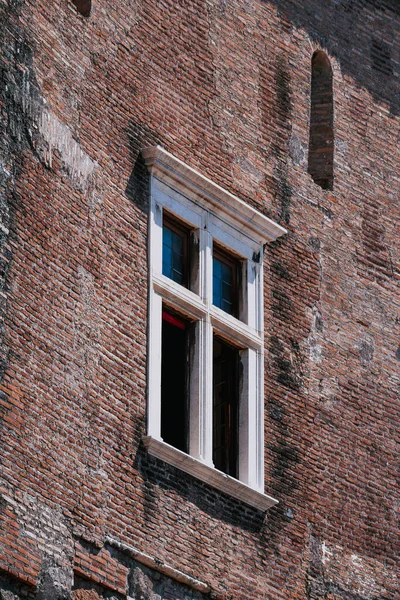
(207, 399)
(254, 294)
(155, 301)
(154, 404)
(251, 433)
(200, 391)
(179, 297)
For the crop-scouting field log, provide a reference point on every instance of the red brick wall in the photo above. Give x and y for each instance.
(224, 86)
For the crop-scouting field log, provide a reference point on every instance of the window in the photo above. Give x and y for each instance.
(321, 144)
(205, 369)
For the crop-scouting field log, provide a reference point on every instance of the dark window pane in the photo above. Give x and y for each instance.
(173, 255)
(174, 360)
(176, 250)
(226, 281)
(225, 407)
(224, 285)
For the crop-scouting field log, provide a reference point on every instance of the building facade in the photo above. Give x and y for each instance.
(200, 311)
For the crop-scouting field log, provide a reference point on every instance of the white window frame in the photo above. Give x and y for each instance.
(217, 216)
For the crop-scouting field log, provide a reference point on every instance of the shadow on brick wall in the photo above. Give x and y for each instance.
(361, 34)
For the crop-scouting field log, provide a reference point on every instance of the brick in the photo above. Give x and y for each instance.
(225, 87)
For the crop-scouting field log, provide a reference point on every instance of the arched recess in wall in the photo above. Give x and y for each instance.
(83, 7)
(321, 144)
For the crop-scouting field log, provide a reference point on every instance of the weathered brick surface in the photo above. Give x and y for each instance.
(225, 86)
(100, 567)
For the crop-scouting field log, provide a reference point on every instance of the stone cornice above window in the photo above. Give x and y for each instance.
(214, 198)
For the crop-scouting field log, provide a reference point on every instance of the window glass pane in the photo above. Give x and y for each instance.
(225, 407)
(223, 286)
(174, 361)
(173, 265)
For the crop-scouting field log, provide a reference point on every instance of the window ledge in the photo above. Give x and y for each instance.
(205, 473)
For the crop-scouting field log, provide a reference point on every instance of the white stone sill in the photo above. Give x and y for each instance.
(209, 475)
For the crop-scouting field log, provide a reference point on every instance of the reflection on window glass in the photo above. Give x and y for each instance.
(173, 255)
(223, 285)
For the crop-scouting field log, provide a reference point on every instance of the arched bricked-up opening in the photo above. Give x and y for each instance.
(83, 7)
(321, 146)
